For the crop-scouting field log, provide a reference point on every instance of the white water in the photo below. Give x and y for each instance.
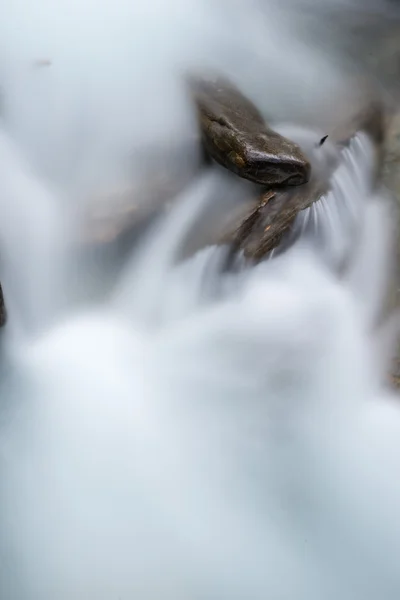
(197, 434)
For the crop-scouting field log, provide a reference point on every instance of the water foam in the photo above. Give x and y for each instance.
(183, 440)
(243, 447)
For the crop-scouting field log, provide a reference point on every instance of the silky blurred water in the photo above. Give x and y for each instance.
(193, 433)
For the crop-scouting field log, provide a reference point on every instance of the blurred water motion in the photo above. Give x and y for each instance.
(183, 430)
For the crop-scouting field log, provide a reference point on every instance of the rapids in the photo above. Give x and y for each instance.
(194, 433)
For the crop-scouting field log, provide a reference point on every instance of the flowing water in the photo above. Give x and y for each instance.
(195, 432)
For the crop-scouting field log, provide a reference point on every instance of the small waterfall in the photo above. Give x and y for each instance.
(195, 433)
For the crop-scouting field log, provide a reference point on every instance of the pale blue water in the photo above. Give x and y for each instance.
(194, 434)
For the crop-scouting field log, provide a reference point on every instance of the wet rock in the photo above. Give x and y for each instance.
(256, 227)
(391, 176)
(263, 227)
(3, 312)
